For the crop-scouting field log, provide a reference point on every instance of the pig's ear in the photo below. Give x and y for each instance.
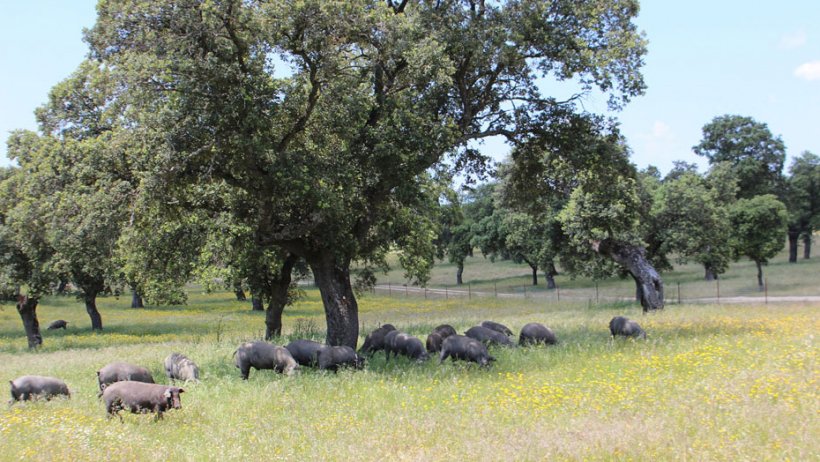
(181, 390)
(12, 384)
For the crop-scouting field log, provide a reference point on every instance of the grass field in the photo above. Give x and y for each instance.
(783, 279)
(728, 382)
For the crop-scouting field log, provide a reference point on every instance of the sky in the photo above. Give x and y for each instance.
(753, 58)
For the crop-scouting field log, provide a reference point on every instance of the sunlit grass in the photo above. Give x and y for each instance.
(710, 383)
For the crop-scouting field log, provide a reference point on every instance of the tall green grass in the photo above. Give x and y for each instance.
(710, 383)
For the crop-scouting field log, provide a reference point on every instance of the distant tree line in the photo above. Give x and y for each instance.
(742, 206)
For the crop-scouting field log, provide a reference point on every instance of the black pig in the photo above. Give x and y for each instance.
(497, 327)
(29, 387)
(117, 372)
(263, 355)
(465, 349)
(304, 351)
(534, 332)
(58, 324)
(488, 336)
(332, 357)
(620, 325)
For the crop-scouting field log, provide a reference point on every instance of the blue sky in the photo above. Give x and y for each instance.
(706, 58)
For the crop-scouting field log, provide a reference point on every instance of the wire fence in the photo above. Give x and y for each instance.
(710, 292)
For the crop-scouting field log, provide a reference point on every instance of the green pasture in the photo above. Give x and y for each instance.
(712, 382)
(783, 279)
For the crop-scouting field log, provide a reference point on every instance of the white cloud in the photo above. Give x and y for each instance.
(793, 40)
(808, 71)
(661, 130)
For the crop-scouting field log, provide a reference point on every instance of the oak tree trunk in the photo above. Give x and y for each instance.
(341, 309)
(794, 238)
(240, 294)
(534, 275)
(27, 307)
(136, 299)
(459, 273)
(633, 259)
(710, 274)
(257, 304)
(93, 313)
(759, 274)
(278, 298)
(807, 244)
(550, 273)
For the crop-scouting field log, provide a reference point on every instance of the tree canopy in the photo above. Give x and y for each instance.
(756, 155)
(329, 159)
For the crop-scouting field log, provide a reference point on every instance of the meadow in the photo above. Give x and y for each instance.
(712, 382)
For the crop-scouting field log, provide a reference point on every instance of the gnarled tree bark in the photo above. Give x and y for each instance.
(649, 286)
(550, 273)
(341, 309)
(90, 300)
(27, 307)
(278, 298)
(807, 236)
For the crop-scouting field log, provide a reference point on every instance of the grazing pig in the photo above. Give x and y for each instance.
(117, 372)
(58, 324)
(465, 349)
(139, 397)
(497, 327)
(405, 344)
(263, 355)
(488, 336)
(332, 357)
(29, 387)
(180, 367)
(375, 340)
(444, 330)
(534, 333)
(434, 342)
(304, 351)
(620, 325)
(389, 340)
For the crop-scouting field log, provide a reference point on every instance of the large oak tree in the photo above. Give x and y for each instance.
(325, 116)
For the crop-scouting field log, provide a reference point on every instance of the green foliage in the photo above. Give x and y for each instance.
(755, 154)
(694, 222)
(330, 161)
(803, 192)
(759, 227)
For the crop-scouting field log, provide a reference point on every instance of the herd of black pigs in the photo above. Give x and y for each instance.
(125, 386)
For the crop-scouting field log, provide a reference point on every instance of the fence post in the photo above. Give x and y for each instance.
(495, 289)
(717, 281)
(557, 292)
(679, 293)
(389, 290)
(425, 293)
(766, 290)
(446, 296)
(406, 294)
(469, 292)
